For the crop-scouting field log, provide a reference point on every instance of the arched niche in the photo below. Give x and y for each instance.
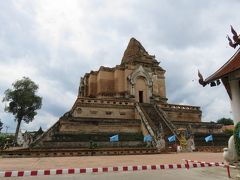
(140, 85)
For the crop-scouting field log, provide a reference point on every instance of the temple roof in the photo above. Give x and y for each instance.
(135, 52)
(231, 65)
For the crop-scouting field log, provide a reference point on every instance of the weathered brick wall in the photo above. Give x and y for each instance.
(105, 111)
(184, 116)
(105, 82)
(90, 126)
(119, 85)
(182, 112)
(92, 85)
(159, 88)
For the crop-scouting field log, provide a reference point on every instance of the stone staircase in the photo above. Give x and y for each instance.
(149, 125)
(156, 121)
(169, 125)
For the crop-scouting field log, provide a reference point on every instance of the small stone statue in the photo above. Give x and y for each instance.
(161, 144)
(183, 141)
(190, 144)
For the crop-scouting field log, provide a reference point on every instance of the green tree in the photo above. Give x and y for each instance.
(22, 101)
(225, 121)
(6, 140)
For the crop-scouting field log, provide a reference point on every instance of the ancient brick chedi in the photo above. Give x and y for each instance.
(139, 75)
(129, 100)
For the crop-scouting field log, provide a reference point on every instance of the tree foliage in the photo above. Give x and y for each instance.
(225, 121)
(22, 101)
(236, 134)
(6, 140)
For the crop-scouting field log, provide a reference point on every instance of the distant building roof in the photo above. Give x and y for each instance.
(231, 65)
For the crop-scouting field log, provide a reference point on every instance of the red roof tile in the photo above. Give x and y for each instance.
(231, 65)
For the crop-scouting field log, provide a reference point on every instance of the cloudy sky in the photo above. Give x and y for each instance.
(55, 42)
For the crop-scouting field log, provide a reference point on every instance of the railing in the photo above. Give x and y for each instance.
(150, 122)
(179, 107)
(164, 117)
(104, 101)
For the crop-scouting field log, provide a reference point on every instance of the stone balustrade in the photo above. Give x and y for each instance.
(179, 107)
(104, 101)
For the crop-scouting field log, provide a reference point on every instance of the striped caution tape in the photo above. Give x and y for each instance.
(205, 164)
(90, 170)
(208, 164)
(102, 169)
(211, 163)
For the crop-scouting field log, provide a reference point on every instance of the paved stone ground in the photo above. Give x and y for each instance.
(100, 161)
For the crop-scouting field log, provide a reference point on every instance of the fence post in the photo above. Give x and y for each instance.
(187, 164)
(228, 171)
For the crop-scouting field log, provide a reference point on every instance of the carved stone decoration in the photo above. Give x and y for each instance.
(201, 80)
(140, 72)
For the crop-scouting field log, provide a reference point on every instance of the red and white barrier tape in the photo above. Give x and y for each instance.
(100, 170)
(208, 164)
(221, 164)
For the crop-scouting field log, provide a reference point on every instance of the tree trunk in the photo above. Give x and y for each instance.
(17, 131)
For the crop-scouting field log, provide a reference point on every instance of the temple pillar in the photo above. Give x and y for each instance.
(235, 101)
(230, 153)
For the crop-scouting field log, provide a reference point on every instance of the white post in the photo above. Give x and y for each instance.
(230, 153)
(235, 102)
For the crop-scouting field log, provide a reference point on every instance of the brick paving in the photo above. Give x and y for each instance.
(100, 161)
